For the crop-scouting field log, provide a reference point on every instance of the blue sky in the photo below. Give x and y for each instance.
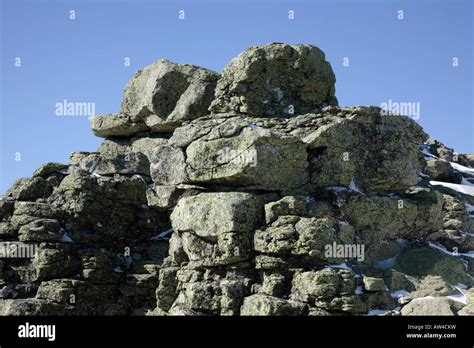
(82, 60)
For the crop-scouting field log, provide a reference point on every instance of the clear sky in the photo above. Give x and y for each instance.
(82, 59)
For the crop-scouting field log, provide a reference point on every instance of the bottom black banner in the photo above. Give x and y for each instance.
(290, 331)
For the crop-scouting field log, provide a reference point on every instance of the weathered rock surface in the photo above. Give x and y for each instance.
(165, 92)
(331, 148)
(158, 99)
(246, 193)
(429, 306)
(276, 80)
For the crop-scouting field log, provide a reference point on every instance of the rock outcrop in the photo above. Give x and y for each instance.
(246, 193)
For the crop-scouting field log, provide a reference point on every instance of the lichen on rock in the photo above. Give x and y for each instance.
(249, 192)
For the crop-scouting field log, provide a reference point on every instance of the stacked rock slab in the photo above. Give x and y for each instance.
(229, 195)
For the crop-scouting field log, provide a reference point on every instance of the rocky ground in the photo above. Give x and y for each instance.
(249, 192)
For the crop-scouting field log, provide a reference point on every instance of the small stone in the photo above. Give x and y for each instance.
(374, 284)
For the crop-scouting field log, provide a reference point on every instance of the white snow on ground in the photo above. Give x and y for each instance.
(467, 233)
(342, 266)
(353, 186)
(163, 235)
(458, 298)
(399, 293)
(422, 298)
(377, 312)
(138, 176)
(118, 270)
(337, 188)
(444, 250)
(461, 168)
(66, 238)
(387, 263)
(460, 286)
(461, 297)
(359, 290)
(466, 189)
(466, 182)
(426, 151)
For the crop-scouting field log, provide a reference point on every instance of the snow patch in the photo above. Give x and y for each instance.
(423, 298)
(165, 235)
(461, 297)
(466, 182)
(139, 176)
(399, 293)
(425, 149)
(373, 312)
(66, 239)
(461, 168)
(353, 186)
(447, 252)
(342, 266)
(466, 189)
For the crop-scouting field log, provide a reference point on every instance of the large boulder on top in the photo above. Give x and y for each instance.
(158, 99)
(165, 94)
(276, 80)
